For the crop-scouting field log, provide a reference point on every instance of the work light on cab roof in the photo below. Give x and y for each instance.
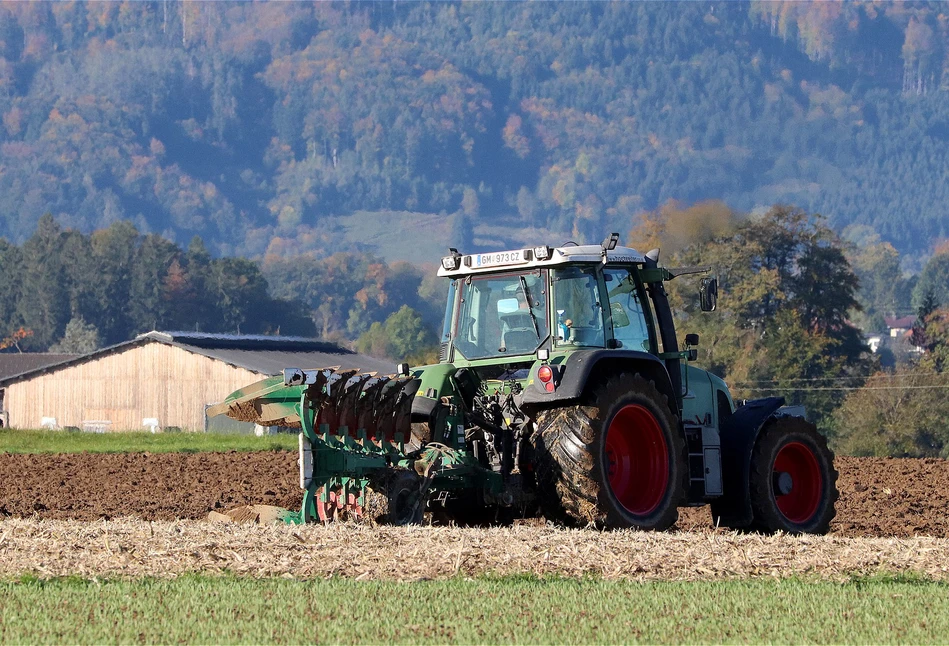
(561, 391)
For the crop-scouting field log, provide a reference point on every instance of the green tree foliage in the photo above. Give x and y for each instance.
(75, 292)
(900, 414)
(933, 281)
(403, 336)
(79, 338)
(43, 305)
(883, 289)
(786, 289)
(903, 412)
(348, 292)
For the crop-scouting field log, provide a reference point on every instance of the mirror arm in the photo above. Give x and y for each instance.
(685, 271)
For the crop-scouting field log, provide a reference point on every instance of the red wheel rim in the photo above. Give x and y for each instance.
(326, 511)
(353, 506)
(637, 460)
(799, 461)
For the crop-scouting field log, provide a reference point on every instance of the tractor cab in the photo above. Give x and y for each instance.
(512, 304)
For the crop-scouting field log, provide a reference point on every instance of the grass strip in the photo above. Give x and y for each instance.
(485, 610)
(29, 441)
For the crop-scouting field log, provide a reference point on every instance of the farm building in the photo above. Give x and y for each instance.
(159, 380)
(15, 363)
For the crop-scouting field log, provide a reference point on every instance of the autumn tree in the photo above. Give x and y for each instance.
(786, 289)
(899, 414)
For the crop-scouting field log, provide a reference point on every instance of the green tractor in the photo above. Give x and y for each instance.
(560, 390)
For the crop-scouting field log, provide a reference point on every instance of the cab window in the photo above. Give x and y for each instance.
(501, 315)
(578, 308)
(627, 313)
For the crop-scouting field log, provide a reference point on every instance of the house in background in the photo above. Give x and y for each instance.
(160, 380)
(898, 327)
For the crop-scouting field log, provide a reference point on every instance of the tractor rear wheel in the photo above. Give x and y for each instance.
(616, 460)
(793, 483)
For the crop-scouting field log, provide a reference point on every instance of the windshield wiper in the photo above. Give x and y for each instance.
(530, 310)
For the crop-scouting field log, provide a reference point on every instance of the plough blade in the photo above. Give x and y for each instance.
(355, 426)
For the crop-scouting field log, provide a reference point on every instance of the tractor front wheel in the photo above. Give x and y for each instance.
(793, 483)
(617, 460)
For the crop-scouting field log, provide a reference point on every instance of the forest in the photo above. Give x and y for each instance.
(257, 126)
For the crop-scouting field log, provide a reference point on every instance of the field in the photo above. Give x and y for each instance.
(60, 442)
(398, 235)
(112, 546)
(511, 610)
(879, 496)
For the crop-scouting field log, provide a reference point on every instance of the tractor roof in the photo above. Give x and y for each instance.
(495, 261)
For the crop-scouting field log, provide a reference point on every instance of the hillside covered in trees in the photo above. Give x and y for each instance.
(258, 125)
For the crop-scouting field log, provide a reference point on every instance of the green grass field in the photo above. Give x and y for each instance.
(17, 441)
(510, 610)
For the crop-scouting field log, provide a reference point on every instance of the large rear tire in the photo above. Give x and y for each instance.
(618, 460)
(793, 483)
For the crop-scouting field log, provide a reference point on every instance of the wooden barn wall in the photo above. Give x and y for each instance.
(152, 380)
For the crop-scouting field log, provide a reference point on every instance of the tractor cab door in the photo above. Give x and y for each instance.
(630, 318)
(578, 307)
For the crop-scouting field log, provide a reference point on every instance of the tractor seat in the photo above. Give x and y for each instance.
(519, 341)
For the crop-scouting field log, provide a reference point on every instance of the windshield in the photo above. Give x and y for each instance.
(501, 315)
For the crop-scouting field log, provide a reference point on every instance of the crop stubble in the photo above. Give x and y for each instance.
(133, 548)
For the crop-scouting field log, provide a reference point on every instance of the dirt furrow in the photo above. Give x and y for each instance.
(879, 497)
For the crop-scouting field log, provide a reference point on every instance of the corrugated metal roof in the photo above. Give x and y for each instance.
(15, 363)
(268, 362)
(265, 355)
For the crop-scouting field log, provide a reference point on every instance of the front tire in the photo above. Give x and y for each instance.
(618, 460)
(793, 483)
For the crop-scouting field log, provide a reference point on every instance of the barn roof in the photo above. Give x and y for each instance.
(265, 355)
(15, 363)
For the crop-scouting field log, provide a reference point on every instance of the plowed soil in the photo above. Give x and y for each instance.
(159, 486)
(878, 497)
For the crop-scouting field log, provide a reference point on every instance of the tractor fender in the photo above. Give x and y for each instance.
(422, 408)
(739, 433)
(584, 366)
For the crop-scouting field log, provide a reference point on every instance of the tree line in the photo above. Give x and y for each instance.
(64, 291)
(72, 292)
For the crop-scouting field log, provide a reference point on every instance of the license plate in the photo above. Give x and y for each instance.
(499, 258)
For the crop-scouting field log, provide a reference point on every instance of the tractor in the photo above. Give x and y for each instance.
(561, 390)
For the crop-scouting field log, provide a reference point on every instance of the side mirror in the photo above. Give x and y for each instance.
(692, 340)
(708, 294)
